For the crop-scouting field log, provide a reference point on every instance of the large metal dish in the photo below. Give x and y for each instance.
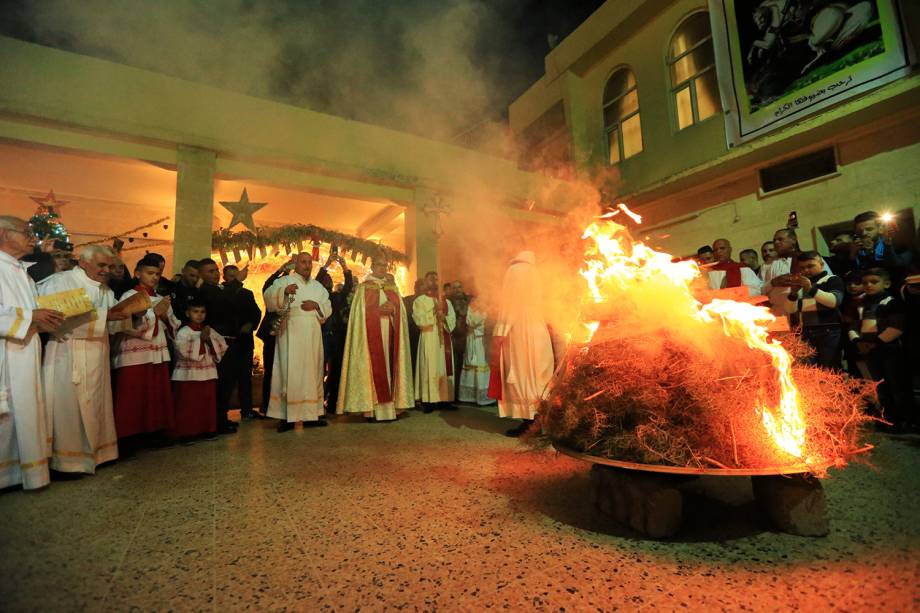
(791, 469)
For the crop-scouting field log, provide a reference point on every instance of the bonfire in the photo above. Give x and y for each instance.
(659, 377)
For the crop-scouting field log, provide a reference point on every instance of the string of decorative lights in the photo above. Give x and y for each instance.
(128, 232)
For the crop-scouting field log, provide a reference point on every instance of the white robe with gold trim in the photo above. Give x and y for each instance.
(432, 383)
(297, 378)
(357, 392)
(78, 386)
(25, 442)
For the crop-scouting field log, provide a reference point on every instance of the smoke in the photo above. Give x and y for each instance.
(480, 241)
(432, 68)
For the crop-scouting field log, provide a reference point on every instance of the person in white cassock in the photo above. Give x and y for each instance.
(25, 442)
(76, 369)
(297, 376)
(474, 378)
(434, 367)
(523, 344)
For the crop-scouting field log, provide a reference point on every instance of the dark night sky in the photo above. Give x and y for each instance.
(429, 67)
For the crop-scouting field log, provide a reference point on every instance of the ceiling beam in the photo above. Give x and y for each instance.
(378, 221)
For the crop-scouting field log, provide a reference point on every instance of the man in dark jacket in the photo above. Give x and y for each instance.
(335, 328)
(268, 340)
(248, 315)
(185, 291)
(222, 317)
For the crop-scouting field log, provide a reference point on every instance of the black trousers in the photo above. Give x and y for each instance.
(826, 341)
(234, 371)
(887, 364)
(268, 364)
(334, 353)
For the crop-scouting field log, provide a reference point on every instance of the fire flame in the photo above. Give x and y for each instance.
(614, 262)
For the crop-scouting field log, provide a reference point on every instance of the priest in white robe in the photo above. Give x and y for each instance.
(25, 442)
(77, 375)
(297, 377)
(377, 367)
(521, 336)
(434, 367)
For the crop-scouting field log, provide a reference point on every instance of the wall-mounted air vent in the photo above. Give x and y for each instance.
(800, 170)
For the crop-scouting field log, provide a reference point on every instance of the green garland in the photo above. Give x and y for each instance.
(225, 241)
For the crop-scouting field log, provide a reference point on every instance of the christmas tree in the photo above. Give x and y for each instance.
(43, 223)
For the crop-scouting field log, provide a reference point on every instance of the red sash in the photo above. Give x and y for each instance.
(732, 272)
(495, 369)
(372, 315)
(445, 335)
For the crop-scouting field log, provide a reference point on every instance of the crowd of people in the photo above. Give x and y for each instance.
(858, 307)
(153, 361)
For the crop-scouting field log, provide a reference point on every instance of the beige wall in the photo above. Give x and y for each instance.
(888, 181)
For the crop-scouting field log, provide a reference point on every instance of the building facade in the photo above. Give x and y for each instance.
(630, 101)
(127, 147)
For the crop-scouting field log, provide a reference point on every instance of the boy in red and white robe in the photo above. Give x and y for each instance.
(198, 350)
(143, 396)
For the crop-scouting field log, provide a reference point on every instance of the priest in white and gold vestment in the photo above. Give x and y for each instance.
(25, 442)
(297, 376)
(377, 367)
(434, 367)
(77, 372)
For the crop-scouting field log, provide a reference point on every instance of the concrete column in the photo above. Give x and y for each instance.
(194, 205)
(421, 235)
(578, 120)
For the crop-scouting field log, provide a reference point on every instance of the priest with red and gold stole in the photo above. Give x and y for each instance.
(377, 367)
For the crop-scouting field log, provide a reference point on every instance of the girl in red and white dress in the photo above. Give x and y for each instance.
(198, 350)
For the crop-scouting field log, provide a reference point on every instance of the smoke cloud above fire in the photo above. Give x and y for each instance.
(431, 68)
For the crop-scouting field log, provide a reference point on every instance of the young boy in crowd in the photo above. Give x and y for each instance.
(198, 350)
(849, 316)
(143, 398)
(878, 340)
(816, 297)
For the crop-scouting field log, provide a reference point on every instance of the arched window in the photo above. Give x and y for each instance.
(621, 116)
(693, 74)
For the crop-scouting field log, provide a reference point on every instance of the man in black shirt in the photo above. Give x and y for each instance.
(185, 292)
(222, 318)
(268, 340)
(248, 316)
(335, 329)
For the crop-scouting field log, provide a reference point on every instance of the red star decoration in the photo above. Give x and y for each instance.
(47, 203)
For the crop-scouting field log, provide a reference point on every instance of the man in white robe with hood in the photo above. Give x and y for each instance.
(25, 442)
(297, 376)
(522, 340)
(77, 374)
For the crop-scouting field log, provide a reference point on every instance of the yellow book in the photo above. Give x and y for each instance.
(71, 302)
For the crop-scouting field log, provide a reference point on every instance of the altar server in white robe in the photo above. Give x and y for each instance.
(25, 442)
(78, 387)
(434, 367)
(474, 379)
(297, 377)
(521, 336)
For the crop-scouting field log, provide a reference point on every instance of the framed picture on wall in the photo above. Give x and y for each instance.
(779, 61)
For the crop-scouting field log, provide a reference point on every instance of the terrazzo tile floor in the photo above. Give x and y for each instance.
(433, 513)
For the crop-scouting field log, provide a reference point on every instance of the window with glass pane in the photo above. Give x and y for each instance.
(621, 116)
(693, 76)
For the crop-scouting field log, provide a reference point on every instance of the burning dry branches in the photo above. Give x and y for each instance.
(659, 399)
